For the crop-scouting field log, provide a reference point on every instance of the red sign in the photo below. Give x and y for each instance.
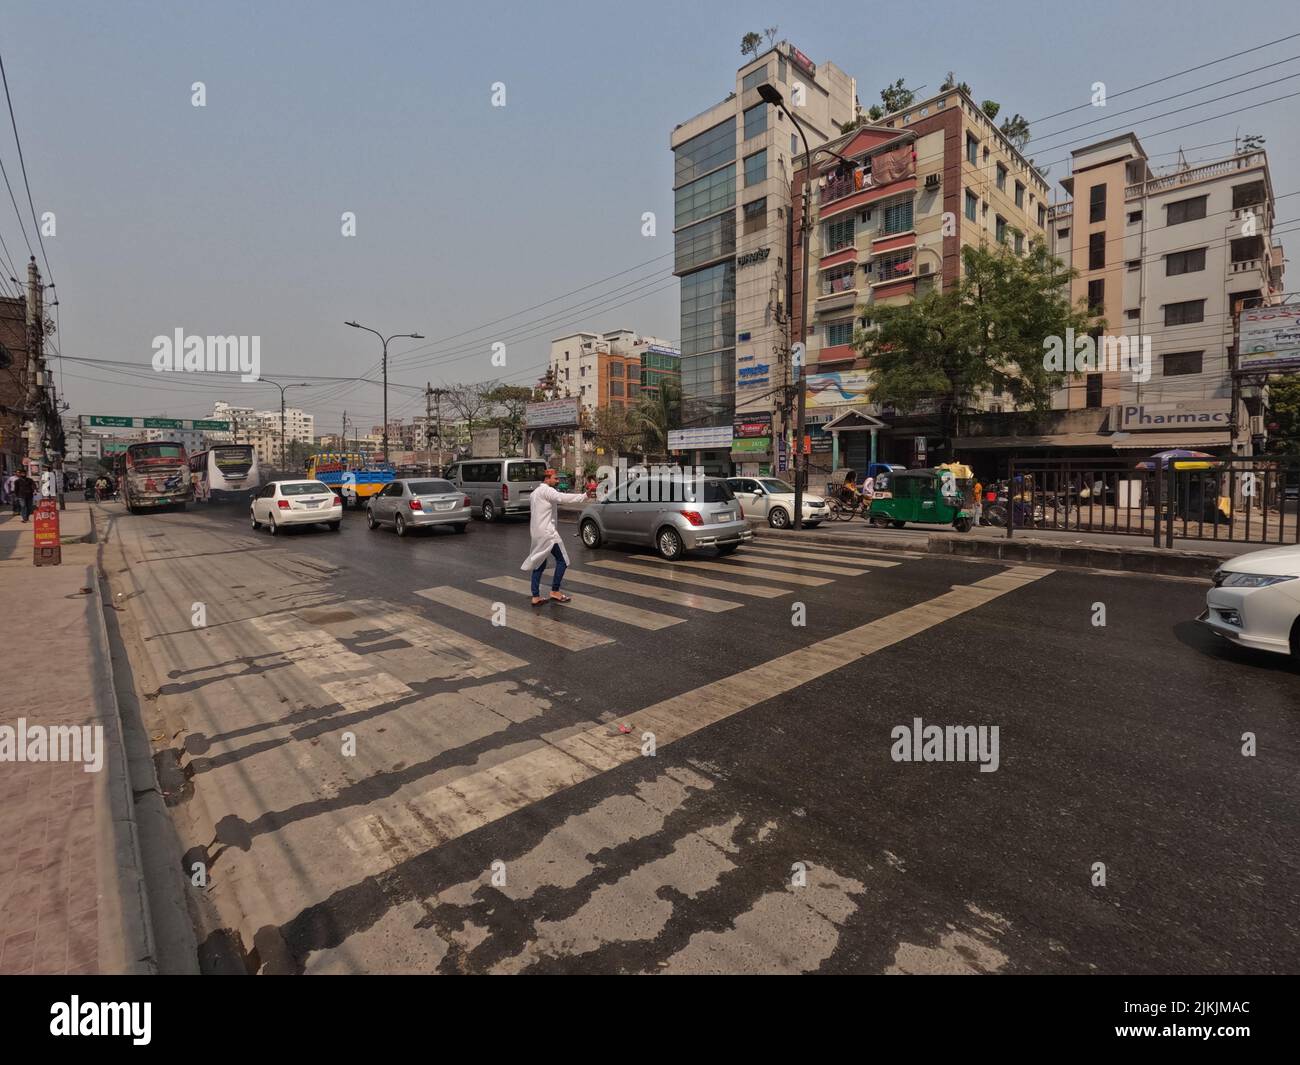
(802, 61)
(46, 549)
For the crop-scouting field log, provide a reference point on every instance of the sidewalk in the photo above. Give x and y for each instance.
(75, 527)
(72, 897)
(1187, 558)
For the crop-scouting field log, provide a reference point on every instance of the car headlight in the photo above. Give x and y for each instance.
(1253, 580)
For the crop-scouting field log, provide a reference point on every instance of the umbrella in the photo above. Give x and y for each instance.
(1181, 458)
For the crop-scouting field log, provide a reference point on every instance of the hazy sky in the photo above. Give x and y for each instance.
(226, 219)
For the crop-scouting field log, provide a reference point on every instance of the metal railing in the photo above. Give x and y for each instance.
(1238, 499)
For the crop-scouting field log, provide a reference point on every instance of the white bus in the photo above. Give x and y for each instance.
(225, 471)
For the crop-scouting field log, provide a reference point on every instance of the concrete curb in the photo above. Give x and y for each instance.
(126, 943)
(1121, 558)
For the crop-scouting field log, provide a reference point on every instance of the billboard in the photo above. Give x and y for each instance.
(708, 437)
(838, 388)
(552, 414)
(1269, 338)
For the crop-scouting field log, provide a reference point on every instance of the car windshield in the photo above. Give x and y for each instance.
(156, 451)
(303, 488)
(779, 488)
(431, 488)
(527, 471)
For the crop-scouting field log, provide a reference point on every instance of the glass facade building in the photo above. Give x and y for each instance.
(705, 250)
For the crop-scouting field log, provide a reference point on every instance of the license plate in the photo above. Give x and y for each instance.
(444, 506)
(312, 503)
(722, 515)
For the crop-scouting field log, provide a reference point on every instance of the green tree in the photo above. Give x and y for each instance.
(656, 413)
(1016, 130)
(991, 108)
(1283, 418)
(986, 333)
(897, 96)
(508, 403)
(613, 429)
(750, 44)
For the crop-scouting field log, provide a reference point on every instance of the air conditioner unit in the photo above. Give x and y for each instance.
(931, 181)
(923, 268)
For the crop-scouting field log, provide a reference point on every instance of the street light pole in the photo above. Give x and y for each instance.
(770, 94)
(384, 340)
(283, 388)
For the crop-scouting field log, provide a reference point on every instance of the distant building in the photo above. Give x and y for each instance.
(607, 369)
(1170, 259)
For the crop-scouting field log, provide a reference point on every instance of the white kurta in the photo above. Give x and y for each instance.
(544, 504)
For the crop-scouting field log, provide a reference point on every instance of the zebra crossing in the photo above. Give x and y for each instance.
(695, 586)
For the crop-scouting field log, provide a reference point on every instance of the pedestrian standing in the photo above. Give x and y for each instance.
(544, 507)
(25, 488)
(979, 501)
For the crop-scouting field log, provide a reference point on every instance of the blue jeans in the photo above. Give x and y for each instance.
(25, 507)
(560, 567)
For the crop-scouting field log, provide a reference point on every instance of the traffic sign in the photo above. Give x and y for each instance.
(113, 420)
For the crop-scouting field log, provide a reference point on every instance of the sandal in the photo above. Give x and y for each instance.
(538, 602)
(560, 597)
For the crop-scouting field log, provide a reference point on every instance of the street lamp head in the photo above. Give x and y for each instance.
(354, 325)
(771, 94)
(416, 336)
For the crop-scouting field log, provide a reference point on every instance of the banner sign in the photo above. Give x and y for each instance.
(1269, 338)
(552, 414)
(706, 438)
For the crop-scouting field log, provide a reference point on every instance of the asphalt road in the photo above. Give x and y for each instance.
(499, 809)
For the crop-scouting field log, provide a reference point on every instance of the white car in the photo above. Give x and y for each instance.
(1255, 601)
(282, 503)
(773, 499)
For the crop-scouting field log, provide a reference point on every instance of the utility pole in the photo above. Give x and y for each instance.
(433, 395)
(35, 361)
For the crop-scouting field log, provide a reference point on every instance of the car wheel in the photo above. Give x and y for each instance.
(669, 544)
(399, 525)
(962, 525)
(335, 526)
(898, 524)
(778, 518)
(489, 511)
(590, 532)
(460, 527)
(370, 519)
(253, 518)
(727, 549)
(271, 526)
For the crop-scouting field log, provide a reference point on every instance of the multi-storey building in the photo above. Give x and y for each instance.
(263, 429)
(13, 383)
(732, 170)
(924, 182)
(605, 369)
(1170, 260)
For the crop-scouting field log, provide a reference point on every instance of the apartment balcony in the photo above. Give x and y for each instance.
(1060, 212)
(1250, 271)
(837, 292)
(1245, 161)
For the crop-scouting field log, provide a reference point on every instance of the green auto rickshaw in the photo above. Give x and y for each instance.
(937, 496)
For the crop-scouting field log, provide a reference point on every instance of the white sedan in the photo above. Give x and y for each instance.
(282, 503)
(1255, 601)
(773, 499)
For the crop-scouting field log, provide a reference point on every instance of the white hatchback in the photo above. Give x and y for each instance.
(1255, 601)
(282, 503)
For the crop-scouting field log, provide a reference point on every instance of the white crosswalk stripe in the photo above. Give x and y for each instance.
(668, 573)
(821, 556)
(741, 568)
(519, 616)
(652, 591)
(604, 608)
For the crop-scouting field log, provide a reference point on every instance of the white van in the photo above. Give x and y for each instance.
(497, 488)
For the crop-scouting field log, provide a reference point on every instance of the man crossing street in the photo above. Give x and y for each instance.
(544, 505)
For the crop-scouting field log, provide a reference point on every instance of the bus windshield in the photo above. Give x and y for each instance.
(157, 451)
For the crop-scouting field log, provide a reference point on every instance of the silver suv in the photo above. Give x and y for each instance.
(681, 515)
